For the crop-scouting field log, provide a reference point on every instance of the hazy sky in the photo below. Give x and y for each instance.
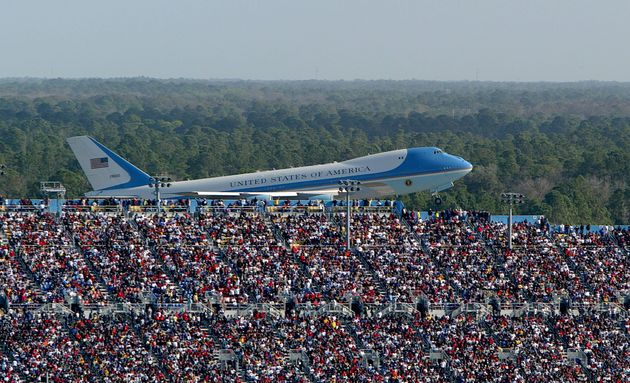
(525, 40)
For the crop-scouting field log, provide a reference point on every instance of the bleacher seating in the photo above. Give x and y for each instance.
(236, 294)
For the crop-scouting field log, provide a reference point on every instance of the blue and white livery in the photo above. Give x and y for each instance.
(397, 172)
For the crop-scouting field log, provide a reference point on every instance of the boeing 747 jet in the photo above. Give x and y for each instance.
(392, 173)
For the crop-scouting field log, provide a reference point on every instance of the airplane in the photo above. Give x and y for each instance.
(391, 173)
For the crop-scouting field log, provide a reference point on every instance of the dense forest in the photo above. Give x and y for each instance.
(565, 146)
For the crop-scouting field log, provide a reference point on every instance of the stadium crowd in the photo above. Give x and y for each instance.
(14, 282)
(225, 259)
(183, 345)
(157, 345)
(46, 249)
(41, 350)
(116, 350)
(118, 252)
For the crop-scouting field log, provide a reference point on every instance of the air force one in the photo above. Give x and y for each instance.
(396, 172)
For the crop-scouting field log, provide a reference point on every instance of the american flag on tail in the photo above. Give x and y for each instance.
(99, 163)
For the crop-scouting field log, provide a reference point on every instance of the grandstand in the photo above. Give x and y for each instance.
(238, 292)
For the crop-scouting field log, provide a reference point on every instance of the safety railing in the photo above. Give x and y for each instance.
(92, 208)
(22, 208)
(295, 209)
(327, 308)
(362, 209)
(213, 210)
(154, 209)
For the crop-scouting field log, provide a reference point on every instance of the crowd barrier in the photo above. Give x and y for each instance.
(344, 309)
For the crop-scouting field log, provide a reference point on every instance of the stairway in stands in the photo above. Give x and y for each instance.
(101, 286)
(367, 268)
(25, 270)
(364, 265)
(155, 355)
(223, 351)
(86, 355)
(4, 350)
(300, 363)
(277, 233)
(19, 267)
(171, 281)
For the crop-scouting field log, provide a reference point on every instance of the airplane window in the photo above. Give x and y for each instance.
(437, 151)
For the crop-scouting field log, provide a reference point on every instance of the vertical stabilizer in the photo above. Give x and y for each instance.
(105, 169)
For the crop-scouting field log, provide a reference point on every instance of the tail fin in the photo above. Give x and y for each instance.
(105, 169)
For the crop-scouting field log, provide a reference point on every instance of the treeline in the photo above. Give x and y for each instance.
(537, 139)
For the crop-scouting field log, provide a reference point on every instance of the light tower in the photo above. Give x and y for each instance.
(348, 187)
(3, 172)
(511, 199)
(157, 183)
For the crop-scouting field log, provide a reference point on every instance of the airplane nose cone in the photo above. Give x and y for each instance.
(463, 164)
(456, 162)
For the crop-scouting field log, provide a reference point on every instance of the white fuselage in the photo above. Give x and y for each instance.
(384, 174)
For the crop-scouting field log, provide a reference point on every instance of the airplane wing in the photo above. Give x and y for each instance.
(301, 194)
(292, 195)
(212, 195)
